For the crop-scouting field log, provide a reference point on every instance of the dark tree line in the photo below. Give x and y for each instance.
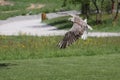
(98, 7)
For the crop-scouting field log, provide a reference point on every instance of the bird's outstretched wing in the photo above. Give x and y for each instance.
(69, 38)
(78, 29)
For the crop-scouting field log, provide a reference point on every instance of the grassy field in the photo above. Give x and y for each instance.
(99, 67)
(39, 58)
(26, 47)
(20, 7)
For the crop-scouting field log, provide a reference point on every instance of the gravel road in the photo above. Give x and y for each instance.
(32, 25)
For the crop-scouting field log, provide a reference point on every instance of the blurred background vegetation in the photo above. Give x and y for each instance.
(24, 7)
(103, 15)
(87, 7)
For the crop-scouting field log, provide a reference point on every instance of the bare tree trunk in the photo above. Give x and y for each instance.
(113, 6)
(101, 9)
(85, 9)
(98, 18)
(64, 3)
(117, 10)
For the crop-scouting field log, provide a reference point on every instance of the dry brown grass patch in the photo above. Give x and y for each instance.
(5, 2)
(35, 6)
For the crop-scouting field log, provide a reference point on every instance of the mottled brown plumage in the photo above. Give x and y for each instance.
(77, 30)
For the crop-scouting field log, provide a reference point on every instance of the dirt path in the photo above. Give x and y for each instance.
(29, 27)
(32, 25)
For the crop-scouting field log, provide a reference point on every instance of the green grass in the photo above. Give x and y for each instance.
(105, 67)
(20, 7)
(106, 26)
(27, 47)
(38, 58)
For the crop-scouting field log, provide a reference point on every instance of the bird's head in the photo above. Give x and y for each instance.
(74, 18)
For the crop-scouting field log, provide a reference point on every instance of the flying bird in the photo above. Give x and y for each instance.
(79, 29)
